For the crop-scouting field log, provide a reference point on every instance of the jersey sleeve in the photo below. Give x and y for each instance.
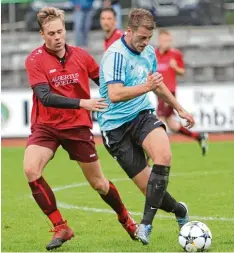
(179, 60)
(35, 72)
(113, 67)
(92, 67)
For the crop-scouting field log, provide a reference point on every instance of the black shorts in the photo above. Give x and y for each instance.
(125, 142)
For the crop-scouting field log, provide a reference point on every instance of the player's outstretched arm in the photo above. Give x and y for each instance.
(118, 92)
(49, 99)
(94, 104)
(163, 92)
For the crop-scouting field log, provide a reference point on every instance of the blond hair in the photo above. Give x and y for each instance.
(141, 17)
(49, 13)
(164, 31)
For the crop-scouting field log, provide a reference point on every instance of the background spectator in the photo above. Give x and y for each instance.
(108, 24)
(83, 14)
(116, 6)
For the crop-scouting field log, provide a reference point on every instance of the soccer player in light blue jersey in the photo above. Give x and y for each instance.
(130, 127)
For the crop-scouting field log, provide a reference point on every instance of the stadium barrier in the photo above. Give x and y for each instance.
(211, 105)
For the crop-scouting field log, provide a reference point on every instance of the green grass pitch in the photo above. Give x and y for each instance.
(206, 184)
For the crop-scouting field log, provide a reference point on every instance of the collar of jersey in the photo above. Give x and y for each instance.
(126, 45)
(111, 35)
(67, 53)
(166, 52)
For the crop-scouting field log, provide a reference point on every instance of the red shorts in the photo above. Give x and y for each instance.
(164, 110)
(78, 142)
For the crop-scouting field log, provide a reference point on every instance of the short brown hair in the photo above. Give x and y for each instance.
(141, 17)
(49, 13)
(109, 9)
(164, 31)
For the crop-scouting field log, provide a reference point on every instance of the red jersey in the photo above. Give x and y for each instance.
(114, 36)
(169, 74)
(69, 79)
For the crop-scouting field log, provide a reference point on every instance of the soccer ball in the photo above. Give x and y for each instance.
(195, 236)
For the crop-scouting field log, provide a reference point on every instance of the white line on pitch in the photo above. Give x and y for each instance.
(182, 174)
(98, 210)
(60, 188)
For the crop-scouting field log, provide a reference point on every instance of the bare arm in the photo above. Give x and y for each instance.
(163, 92)
(180, 71)
(118, 92)
(175, 66)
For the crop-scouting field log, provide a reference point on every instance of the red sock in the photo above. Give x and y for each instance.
(112, 198)
(56, 218)
(186, 132)
(45, 199)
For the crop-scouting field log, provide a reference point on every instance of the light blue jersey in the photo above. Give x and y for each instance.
(121, 64)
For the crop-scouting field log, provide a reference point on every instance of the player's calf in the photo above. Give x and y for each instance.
(170, 205)
(155, 192)
(113, 199)
(182, 220)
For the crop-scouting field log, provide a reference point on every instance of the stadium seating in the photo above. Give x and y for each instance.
(208, 54)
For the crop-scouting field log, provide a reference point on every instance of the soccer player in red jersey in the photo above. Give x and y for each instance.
(171, 64)
(109, 26)
(59, 77)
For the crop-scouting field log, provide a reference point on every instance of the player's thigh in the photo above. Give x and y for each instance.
(142, 178)
(35, 159)
(94, 175)
(80, 146)
(157, 145)
(41, 146)
(131, 157)
(172, 123)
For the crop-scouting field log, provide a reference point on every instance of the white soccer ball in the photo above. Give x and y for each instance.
(195, 236)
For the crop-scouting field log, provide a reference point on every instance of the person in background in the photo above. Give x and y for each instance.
(83, 15)
(116, 6)
(171, 64)
(108, 24)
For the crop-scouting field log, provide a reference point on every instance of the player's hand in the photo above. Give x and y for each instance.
(173, 64)
(188, 117)
(154, 81)
(94, 104)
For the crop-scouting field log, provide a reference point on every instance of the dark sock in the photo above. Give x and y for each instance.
(186, 132)
(155, 192)
(45, 199)
(180, 210)
(149, 213)
(170, 205)
(113, 199)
